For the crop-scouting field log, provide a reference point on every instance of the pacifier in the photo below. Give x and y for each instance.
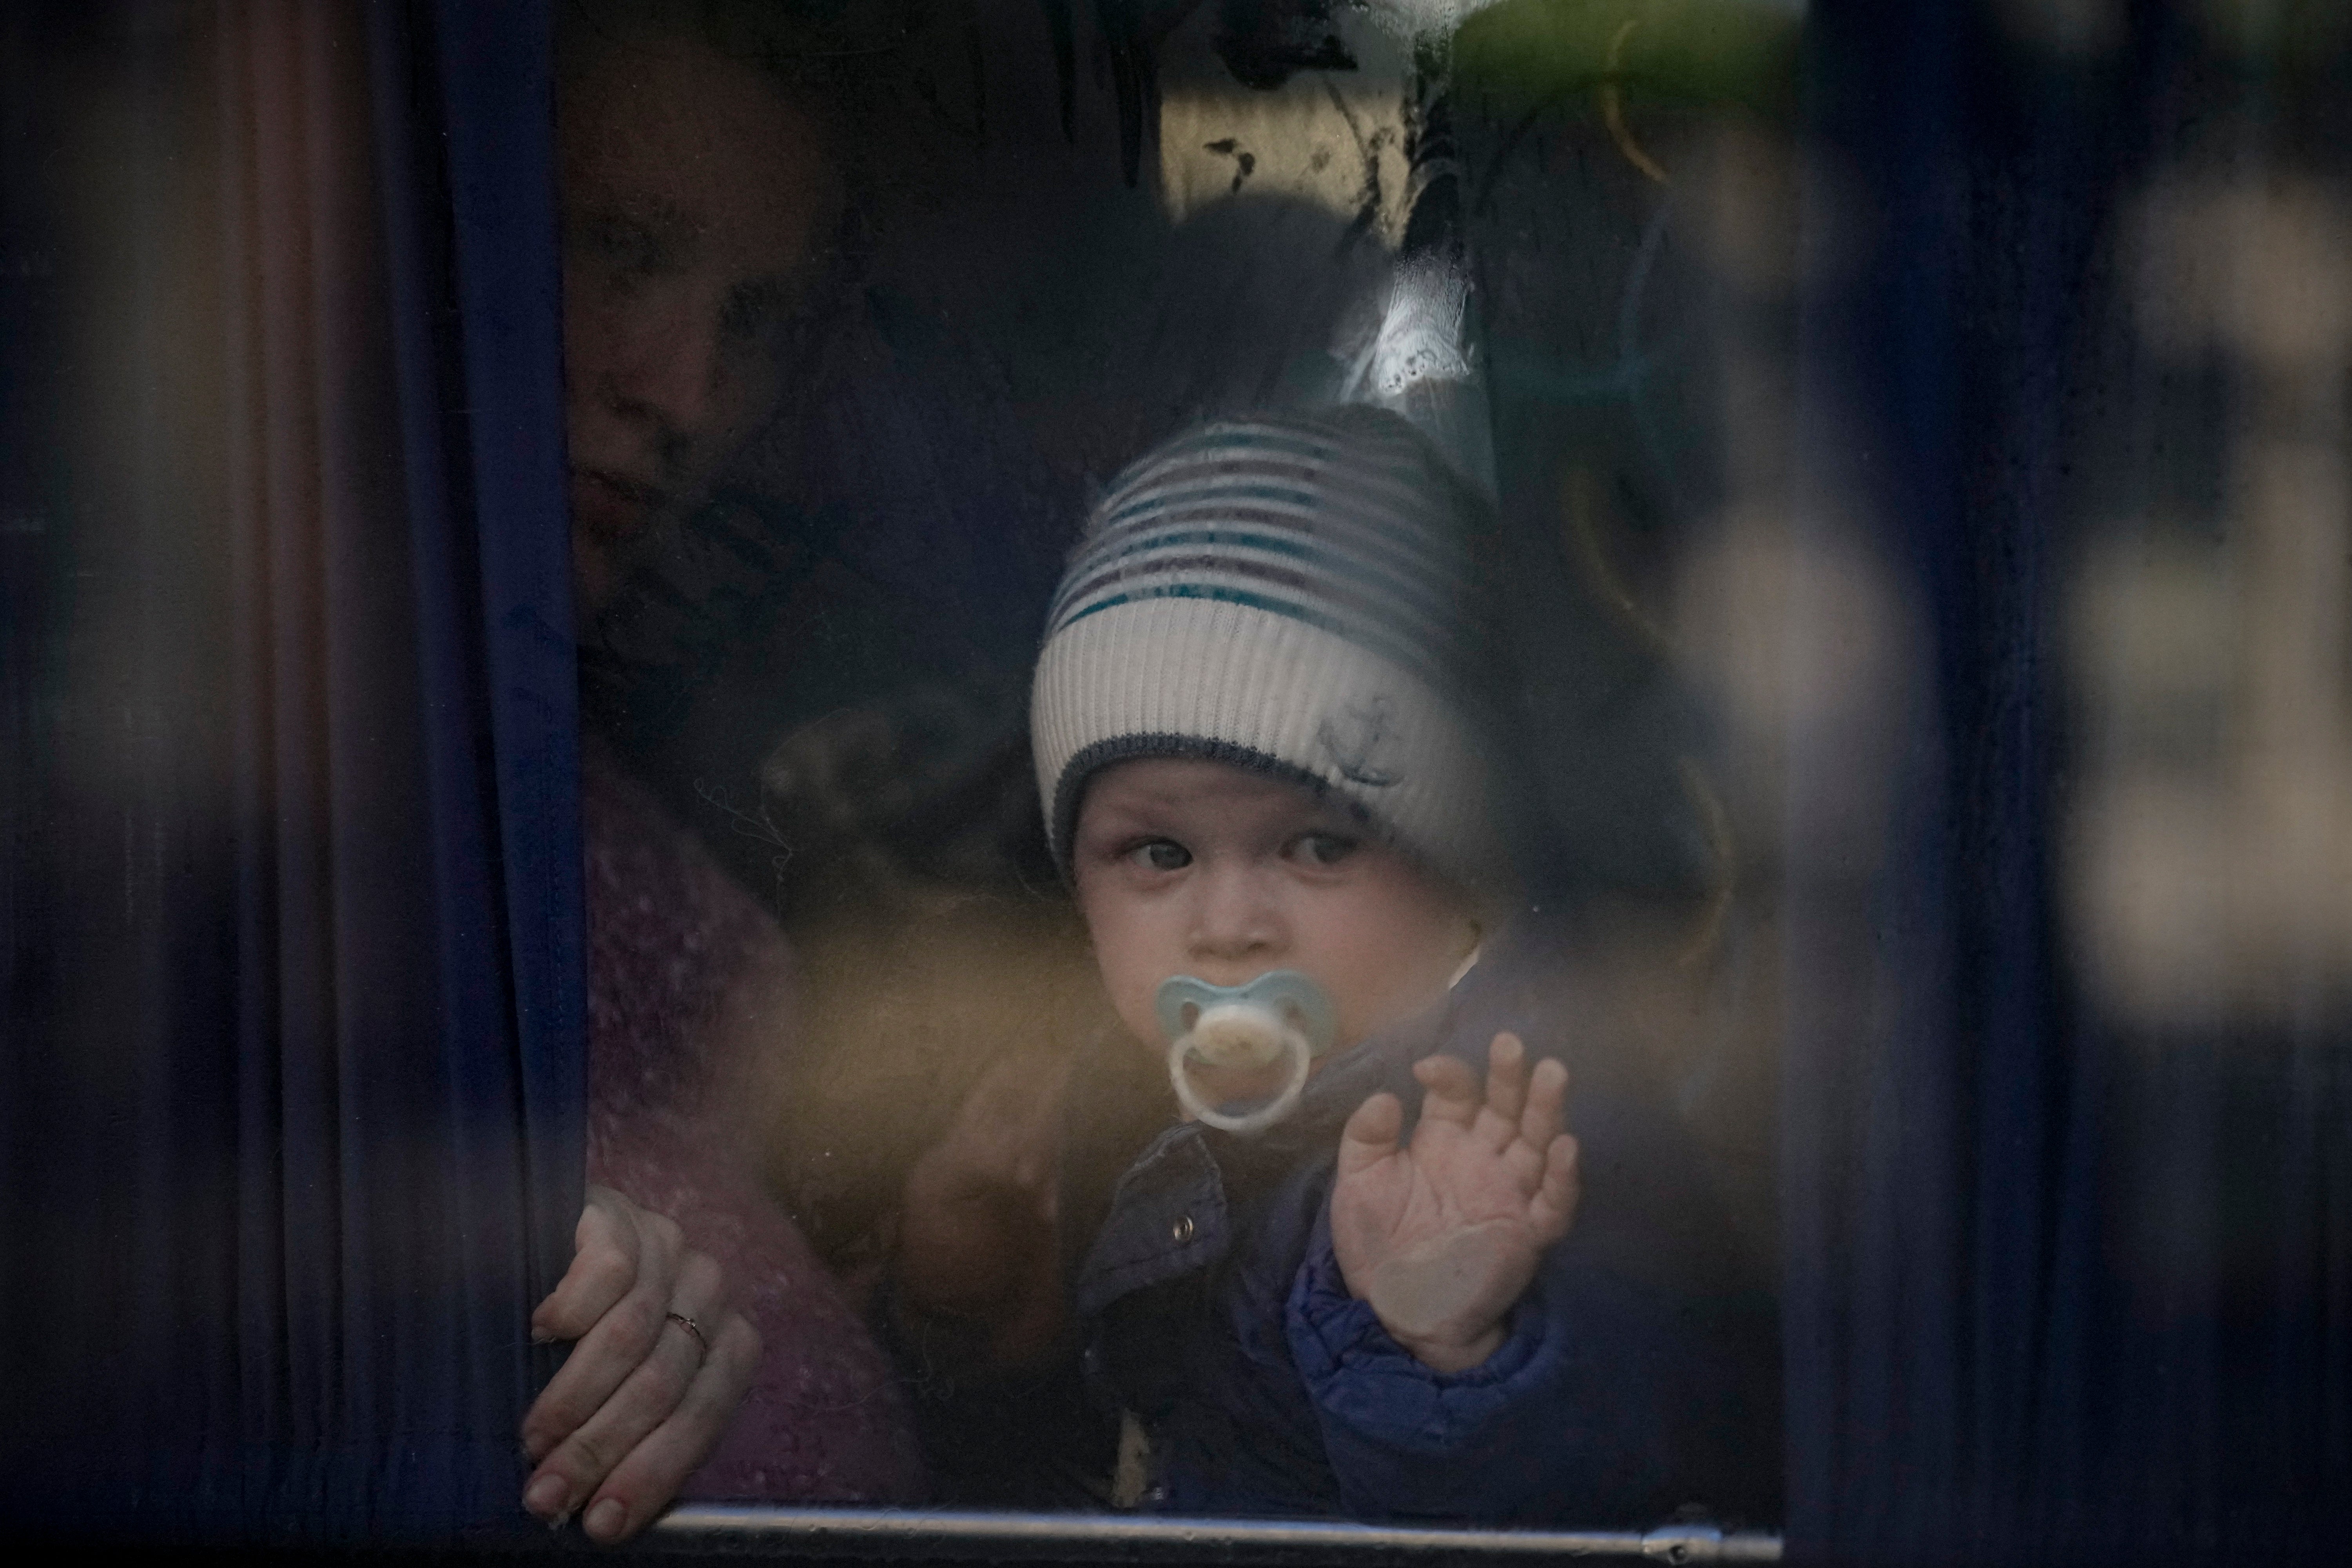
(1282, 1017)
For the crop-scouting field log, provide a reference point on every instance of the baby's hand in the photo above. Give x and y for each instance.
(1442, 1236)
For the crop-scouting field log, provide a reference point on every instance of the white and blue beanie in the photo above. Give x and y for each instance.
(1288, 595)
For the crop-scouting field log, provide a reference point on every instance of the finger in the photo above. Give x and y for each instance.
(701, 1293)
(1455, 1092)
(605, 1247)
(1547, 1110)
(1524, 1162)
(647, 1397)
(1370, 1135)
(643, 1483)
(622, 1366)
(614, 1347)
(1506, 1090)
(1553, 1209)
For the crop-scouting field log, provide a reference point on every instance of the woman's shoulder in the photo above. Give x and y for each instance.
(672, 940)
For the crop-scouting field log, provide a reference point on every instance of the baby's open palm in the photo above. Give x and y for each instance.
(1441, 1236)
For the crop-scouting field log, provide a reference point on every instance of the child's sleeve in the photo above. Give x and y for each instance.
(1570, 1423)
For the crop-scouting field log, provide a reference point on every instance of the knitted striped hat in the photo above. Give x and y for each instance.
(1286, 595)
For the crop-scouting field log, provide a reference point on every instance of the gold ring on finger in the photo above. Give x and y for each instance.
(691, 1327)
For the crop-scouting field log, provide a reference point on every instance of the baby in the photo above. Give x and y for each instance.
(1346, 1281)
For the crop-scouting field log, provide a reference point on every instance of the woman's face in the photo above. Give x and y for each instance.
(697, 199)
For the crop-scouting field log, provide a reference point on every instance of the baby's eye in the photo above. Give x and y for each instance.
(1161, 855)
(1323, 848)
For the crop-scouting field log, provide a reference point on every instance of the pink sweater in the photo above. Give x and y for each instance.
(686, 973)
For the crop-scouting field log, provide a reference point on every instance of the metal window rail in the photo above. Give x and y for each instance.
(715, 1529)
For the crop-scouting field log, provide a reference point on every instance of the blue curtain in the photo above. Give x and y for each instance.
(2056, 1290)
(290, 1108)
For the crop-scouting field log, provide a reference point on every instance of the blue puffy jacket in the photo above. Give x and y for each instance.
(1637, 1380)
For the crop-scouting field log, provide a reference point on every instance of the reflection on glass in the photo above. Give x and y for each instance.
(2214, 833)
(1332, 684)
(1423, 736)
(1237, 697)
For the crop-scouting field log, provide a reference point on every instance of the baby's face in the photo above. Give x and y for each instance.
(1194, 867)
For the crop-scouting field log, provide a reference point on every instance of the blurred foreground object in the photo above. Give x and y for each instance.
(2213, 845)
(2067, 1134)
(292, 1096)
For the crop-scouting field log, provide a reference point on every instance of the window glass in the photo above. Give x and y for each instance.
(1224, 772)
(1378, 419)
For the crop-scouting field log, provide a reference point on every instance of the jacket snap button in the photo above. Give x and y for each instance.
(1182, 1230)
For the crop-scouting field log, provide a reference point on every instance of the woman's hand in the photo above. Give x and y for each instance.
(1441, 1237)
(641, 1401)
